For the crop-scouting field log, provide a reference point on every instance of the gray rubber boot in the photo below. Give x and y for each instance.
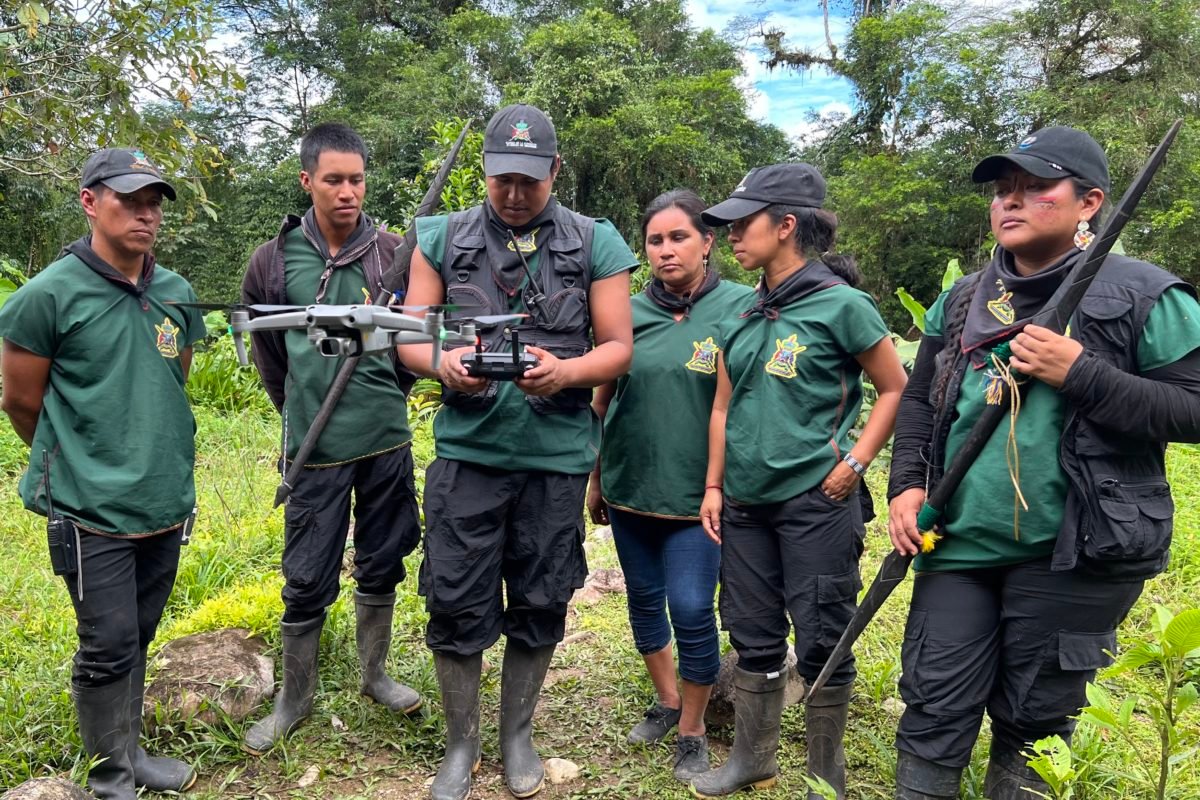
(301, 642)
(156, 773)
(751, 764)
(825, 729)
(374, 636)
(520, 684)
(1009, 775)
(104, 728)
(458, 677)
(918, 779)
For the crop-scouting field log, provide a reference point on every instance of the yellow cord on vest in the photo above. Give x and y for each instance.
(1012, 454)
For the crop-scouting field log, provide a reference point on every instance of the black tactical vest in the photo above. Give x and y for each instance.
(1117, 521)
(560, 323)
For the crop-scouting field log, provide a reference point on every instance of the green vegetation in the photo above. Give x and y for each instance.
(229, 576)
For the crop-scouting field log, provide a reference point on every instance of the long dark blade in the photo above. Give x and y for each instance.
(891, 574)
(403, 257)
(1056, 314)
(342, 379)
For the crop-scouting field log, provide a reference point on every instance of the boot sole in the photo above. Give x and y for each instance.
(414, 707)
(765, 783)
(531, 793)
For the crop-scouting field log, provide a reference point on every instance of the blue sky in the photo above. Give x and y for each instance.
(783, 97)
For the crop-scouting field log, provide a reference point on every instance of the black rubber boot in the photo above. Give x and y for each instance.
(825, 729)
(374, 635)
(104, 728)
(1009, 775)
(458, 677)
(301, 642)
(751, 763)
(918, 779)
(156, 773)
(520, 684)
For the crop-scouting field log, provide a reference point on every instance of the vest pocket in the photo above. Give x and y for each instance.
(1133, 521)
(568, 401)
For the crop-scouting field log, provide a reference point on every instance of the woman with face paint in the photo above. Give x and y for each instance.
(1066, 512)
(652, 494)
(782, 492)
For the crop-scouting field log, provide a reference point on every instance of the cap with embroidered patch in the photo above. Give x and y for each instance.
(782, 184)
(521, 139)
(1056, 152)
(123, 171)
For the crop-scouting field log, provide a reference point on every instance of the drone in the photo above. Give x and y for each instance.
(356, 330)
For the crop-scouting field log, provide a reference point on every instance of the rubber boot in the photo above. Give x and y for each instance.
(374, 637)
(918, 779)
(301, 641)
(104, 728)
(1009, 775)
(825, 729)
(520, 684)
(751, 765)
(458, 677)
(156, 773)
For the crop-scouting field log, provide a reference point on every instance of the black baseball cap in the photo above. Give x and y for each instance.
(1057, 152)
(123, 171)
(783, 184)
(521, 139)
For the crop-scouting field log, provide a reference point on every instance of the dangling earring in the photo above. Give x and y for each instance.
(1083, 236)
(706, 263)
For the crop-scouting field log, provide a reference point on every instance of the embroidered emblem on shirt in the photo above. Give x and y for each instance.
(704, 359)
(783, 363)
(168, 343)
(1002, 308)
(526, 241)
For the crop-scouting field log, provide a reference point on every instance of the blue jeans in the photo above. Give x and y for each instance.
(671, 564)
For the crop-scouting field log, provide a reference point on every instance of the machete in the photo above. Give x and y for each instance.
(1055, 315)
(392, 277)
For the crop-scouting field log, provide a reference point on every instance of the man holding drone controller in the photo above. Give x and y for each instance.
(335, 254)
(504, 498)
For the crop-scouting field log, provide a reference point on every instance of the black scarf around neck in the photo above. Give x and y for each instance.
(812, 277)
(82, 249)
(507, 270)
(360, 241)
(663, 297)
(1005, 300)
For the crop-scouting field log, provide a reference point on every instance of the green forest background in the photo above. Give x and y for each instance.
(220, 93)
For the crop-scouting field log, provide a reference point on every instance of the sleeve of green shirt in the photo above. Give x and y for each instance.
(1172, 330)
(935, 316)
(431, 238)
(858, 326)
(610, 253)
(196, 329)
(29, 319)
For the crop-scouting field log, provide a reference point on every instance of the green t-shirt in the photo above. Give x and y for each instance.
(509, 434)
(986, 536)
(372, 416)
(114, 418)
(655, 450)
(797, 390)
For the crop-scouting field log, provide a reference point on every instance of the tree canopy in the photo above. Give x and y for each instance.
(220, 92)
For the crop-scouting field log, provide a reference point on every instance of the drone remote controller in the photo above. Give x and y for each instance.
(499, 366)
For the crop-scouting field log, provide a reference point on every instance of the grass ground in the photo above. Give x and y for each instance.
(229, 576)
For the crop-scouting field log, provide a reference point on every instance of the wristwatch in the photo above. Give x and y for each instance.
(854, 464)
